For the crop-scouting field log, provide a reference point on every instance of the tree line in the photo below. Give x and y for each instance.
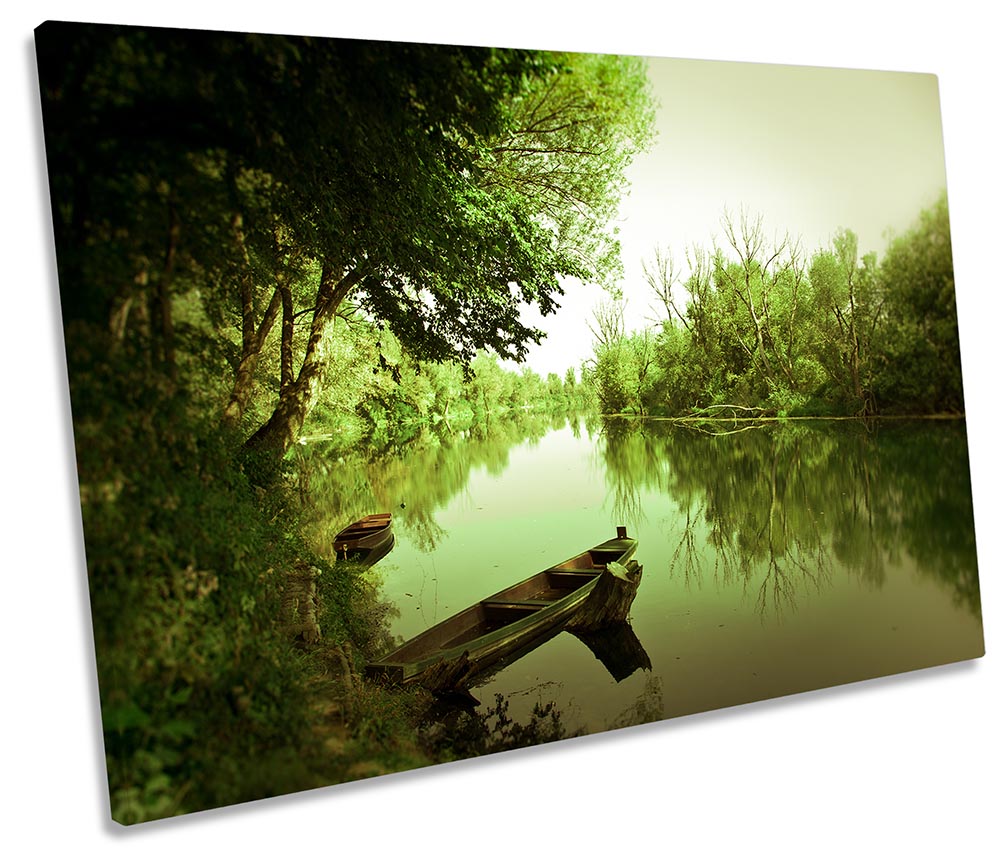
(383, 392)
(764, 326)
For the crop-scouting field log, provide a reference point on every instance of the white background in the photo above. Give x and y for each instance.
(906, 763)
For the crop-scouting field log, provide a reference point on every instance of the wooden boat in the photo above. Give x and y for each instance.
(510, 619)
(366, 540)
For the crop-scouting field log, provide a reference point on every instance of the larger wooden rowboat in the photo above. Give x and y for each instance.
(367, 539)
(510, 619)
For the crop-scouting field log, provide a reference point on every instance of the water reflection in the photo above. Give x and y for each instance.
(618, 649)
(771, 508)
(412, 479)
(648, 706)
(454, 731)
(777, 559)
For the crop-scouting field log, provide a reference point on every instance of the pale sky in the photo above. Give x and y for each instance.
(810, 149)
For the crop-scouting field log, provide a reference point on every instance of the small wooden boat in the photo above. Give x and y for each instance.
(509, 620)
(366, 540)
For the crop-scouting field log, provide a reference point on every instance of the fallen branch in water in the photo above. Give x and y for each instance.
(699, 429)
(759, 411)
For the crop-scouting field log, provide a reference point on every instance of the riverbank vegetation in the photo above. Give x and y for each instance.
(260, 238)
(761, 327)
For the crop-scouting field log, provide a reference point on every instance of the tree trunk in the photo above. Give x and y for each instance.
(296, 400)
(253, 339)
(122, 304)
(759, 336)
(288, 330)
(243, 383)
(299, 604)
(165, 317)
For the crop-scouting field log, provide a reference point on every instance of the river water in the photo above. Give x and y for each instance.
(777, 558)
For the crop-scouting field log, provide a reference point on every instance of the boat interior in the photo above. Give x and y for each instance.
(512, 604)
(367, 524)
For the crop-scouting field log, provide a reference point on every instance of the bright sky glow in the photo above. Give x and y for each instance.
(811, 150)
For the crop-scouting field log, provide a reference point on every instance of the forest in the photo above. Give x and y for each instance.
(264, 241)
(264, 238)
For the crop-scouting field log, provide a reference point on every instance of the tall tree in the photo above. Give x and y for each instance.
(750, 280)
(608, 368)
(919, 366)
(847, 310)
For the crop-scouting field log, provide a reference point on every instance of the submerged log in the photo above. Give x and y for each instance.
(610, 601)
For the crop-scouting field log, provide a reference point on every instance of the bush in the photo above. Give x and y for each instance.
(203, 695)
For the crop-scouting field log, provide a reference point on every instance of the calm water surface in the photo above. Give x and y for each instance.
(776, 560)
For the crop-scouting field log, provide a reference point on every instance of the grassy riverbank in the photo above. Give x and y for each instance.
(209, 692)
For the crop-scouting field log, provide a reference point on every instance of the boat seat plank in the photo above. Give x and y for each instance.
(522, 604)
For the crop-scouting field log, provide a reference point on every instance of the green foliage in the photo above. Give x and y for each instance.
(435, 189)
(233, 213)
(571, 134)
(610, 380)
(199, 686)
(761, 327)
(402, 396)
(786, 402)
(919, 363)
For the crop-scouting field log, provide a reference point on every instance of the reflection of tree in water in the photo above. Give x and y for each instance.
(933, 470)
(748, 495)
(455, 732)
(411, 479)
(573, 420)
(627, 448)
(648, 707)
(772, 508)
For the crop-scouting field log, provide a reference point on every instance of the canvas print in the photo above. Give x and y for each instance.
(431, 401)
